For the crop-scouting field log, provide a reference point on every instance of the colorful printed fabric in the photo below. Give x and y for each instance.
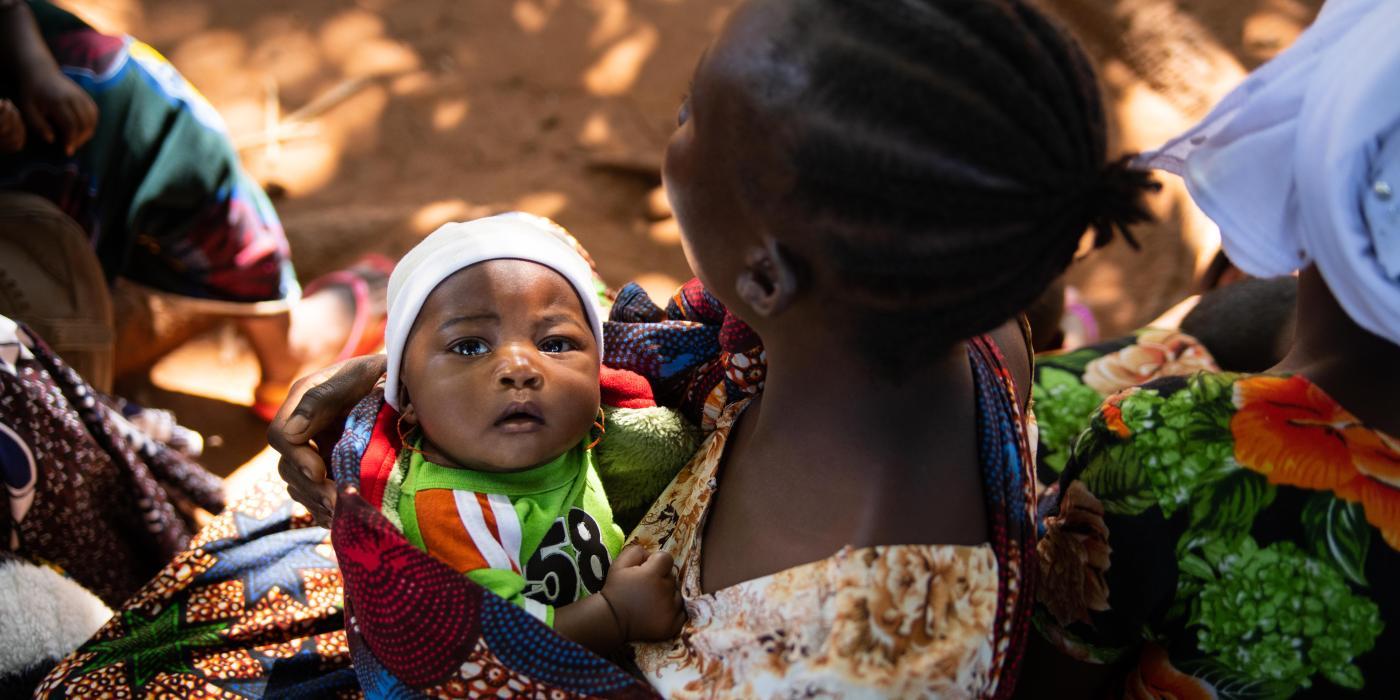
(159, 188)
(252, 609)
(87, 491)
(420, 629)
(1069, 386)
(896, 621)
(698, 357)
(1228, 536)
(419, 625)
(255, 608)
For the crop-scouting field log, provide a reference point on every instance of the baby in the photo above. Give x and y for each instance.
(494, 344)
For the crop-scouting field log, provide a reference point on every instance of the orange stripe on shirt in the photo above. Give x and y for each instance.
(489, 514)
(443, 533)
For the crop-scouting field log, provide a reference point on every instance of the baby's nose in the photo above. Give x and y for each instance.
(519, 371)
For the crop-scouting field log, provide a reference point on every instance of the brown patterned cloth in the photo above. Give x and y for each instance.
(252, 609)
(87, 491)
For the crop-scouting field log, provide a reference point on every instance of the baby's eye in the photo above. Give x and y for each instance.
(471, 347)
(557, 345)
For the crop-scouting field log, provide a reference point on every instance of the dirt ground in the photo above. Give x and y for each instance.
(372, 122)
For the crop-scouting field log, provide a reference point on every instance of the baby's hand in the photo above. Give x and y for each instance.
(644, 594)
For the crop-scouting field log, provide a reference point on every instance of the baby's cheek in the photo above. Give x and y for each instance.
(582, 402)
(453, 425)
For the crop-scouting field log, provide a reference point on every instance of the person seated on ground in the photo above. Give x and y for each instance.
(114, 135)
(494, 346)
(1234, 533)
(843, 184)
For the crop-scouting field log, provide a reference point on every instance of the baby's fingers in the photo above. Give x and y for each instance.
(631, 555)
(659, 564)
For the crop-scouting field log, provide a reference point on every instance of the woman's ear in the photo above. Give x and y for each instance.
(770, 280)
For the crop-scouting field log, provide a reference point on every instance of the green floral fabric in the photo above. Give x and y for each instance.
(1228, 536)
(1070, 385)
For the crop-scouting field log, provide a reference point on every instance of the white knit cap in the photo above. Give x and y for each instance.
(1300, 164)
(454, 246)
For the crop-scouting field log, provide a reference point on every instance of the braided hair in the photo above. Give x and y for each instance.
(948, 156)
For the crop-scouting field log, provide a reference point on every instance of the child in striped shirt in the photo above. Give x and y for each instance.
(494, 343)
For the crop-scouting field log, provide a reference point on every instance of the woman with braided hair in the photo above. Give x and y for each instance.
(875, 189)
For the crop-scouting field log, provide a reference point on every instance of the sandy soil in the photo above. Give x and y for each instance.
(375, 121)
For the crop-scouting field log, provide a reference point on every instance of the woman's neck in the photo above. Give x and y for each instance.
(834, 454)
(824, 404)
(1356, 367)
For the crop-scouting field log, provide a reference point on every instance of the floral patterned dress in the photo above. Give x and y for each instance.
(1070, 385)
(896, 621)
(1228, 536)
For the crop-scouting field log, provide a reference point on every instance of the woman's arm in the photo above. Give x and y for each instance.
(53, 106)
(311, 420)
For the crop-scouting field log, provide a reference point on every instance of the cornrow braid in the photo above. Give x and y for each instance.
(948, 157)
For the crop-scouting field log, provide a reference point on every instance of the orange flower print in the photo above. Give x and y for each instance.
(1293, 433)
(1155, 678)
(1113, 418)
(1112, 412)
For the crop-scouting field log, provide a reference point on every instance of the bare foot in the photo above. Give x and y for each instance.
(325, 326)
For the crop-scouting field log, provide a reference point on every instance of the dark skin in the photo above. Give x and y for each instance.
(500, 373)
(835, 453)
(54, 109)
(872, 459)
(500, 370)
(1359, 369)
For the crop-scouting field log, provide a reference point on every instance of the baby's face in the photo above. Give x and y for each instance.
(501, 367)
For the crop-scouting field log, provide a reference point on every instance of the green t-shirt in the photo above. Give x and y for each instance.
(540, 538)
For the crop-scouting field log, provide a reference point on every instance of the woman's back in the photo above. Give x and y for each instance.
(893, 619)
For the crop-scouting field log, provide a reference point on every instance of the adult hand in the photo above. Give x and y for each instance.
(11, 127)
(317, 404)
(57, 110)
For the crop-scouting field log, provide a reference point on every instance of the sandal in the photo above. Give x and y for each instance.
(366, 330)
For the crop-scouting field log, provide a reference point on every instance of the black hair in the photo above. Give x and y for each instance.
(949, 155)
(1246, 325)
